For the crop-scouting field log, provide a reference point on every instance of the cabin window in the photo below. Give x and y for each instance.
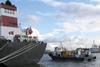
(9, 11)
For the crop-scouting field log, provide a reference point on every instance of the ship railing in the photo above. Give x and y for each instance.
(17, 53)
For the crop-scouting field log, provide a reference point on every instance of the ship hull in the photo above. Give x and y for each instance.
(31, 54)
(59, 58)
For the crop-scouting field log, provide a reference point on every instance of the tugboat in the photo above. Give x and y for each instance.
(80, 54)
(17, 47)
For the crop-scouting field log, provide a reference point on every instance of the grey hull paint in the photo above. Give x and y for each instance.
(30, 55)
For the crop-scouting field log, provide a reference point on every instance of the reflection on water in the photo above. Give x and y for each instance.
(47, 62)
(29, 65)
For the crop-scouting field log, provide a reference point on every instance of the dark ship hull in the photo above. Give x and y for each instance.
(20, 53)
(59, 58)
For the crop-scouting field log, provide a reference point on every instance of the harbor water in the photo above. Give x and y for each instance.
(46, 61)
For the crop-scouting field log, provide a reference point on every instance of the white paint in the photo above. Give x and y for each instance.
(35, 32)
(9, 13)
(5, 31)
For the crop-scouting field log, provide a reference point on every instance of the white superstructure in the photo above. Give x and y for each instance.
(8, 20)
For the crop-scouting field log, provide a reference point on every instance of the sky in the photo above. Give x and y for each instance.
(60, 19)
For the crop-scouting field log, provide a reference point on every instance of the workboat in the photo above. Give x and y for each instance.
(17, 46)
(80, 54)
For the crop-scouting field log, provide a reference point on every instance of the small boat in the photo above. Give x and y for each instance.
(80, 54)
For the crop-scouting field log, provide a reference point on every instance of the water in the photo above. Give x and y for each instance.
(47, 62)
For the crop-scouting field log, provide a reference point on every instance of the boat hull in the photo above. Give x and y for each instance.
(30, 54)
(72, 58)
(57, 58)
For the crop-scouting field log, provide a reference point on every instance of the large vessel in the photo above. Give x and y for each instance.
(16, 47)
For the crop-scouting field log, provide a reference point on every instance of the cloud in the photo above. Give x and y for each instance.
(76, 42)
(95, 1)
(70, 43)
(76, 16)
(53, 3)
(33, 18)
(80, 25)
(66, 27)
(74, 7)
(28, 18)
(91, 26)
(50, 36)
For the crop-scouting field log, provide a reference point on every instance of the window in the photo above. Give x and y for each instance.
(9, 11)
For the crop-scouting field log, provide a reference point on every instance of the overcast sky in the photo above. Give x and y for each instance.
(59, 18)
